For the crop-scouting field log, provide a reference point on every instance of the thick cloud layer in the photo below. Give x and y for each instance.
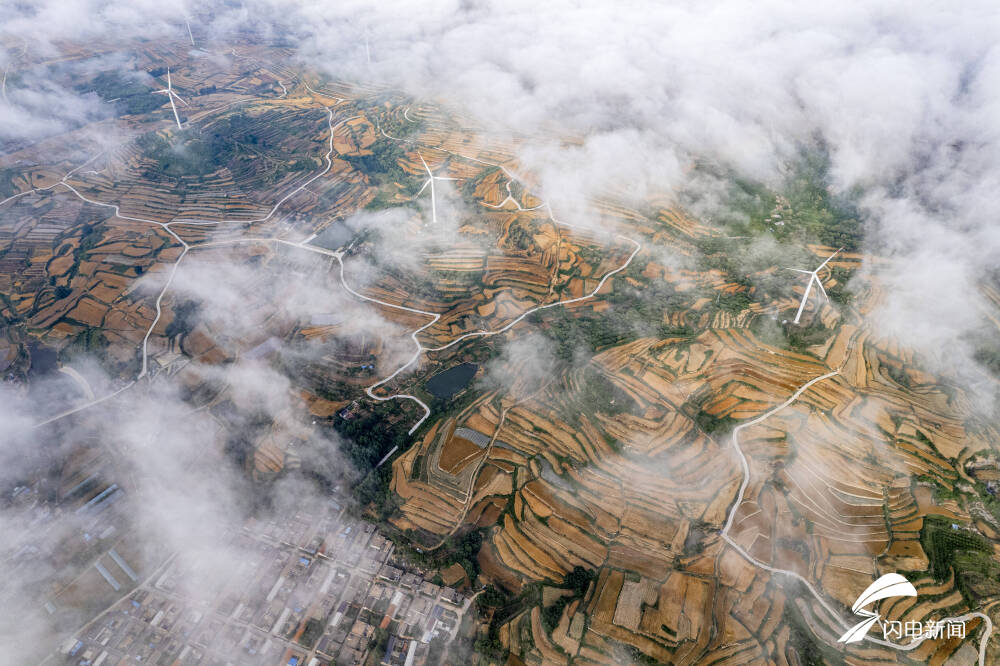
(903, 96)
(621, 97)
(625, 96)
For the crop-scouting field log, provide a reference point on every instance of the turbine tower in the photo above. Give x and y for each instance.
(430, 181)
(171, 95)
(813, 279)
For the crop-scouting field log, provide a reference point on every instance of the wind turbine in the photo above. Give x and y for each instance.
(430, 181)
(813, 278)
(171, 95)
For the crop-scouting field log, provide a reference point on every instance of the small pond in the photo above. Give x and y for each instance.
(445, 384)
(334, 236)
(43, 359)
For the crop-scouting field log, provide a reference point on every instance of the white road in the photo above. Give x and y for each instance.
(481, 333)
(80, 408)
(434, 317)
(186, 248)
(510, 197)
(3, 84)
(319, 94)
(792, 574)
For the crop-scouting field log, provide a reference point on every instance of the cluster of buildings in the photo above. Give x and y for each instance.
(308, 591)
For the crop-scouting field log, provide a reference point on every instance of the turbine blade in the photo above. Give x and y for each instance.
(799, 270)
(430, 181)
(178, 98)
(426, 183)
(828, 259)
(174, 107)
(434, 208)
(805, 299)
(168, 78)
(819, 283)
(422, 161)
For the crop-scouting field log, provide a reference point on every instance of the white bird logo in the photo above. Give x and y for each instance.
(889, 585)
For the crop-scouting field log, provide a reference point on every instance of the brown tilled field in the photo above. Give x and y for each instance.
(619, 460)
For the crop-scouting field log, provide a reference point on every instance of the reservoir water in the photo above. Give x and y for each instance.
(446, 384)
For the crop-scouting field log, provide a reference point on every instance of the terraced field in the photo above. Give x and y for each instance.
(611, 451)
(639, 494)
